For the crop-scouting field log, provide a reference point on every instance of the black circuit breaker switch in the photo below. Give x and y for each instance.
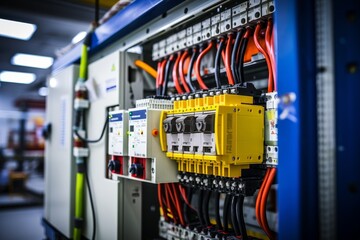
(170, 125)
(206, 123)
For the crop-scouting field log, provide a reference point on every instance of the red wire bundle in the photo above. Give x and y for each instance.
(181, 70)
(228, 51)
(267, 58)
(175, 75)
(197, 66)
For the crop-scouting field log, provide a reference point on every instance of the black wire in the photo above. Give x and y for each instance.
(243, 46)
(217, 211)
(93, 141)
(166, 77)
(240, 217)
(235, 223)
(191, 65)
(206, 208)
(91, 202)
(217, 64)
(97, 11)
(234, 54)
(225, 213)
(199, 208)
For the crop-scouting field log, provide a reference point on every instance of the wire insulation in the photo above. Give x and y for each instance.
(261, 49)
(166, 75)
(206, 208)
(198, 64)
(225, 213)
(235, 223)
(243, 46)
(217, 63)
(146, 67)
(181, 70)
(240, 217)
(228, 59)
(191, 65)
(217, 211)
(234, 54)
(91, 202)
(175, 75)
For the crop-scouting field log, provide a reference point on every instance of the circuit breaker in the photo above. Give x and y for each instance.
(214, 134)
(134, 143)
(118, 142)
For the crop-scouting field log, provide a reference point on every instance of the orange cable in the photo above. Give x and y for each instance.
(178, 205)
(181, 71)
(175, 75)
(158, 74)
(227, 59)
(258, 199)
(265, 194)
(259, 47)
(197, 66)
(270, 50)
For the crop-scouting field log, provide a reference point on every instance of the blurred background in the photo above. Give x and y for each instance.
(55, 27)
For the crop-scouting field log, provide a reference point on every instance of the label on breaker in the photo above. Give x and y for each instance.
(271, 131)
(138, 133)
(117, 133)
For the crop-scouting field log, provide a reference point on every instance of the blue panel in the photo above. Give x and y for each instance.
(137, 115)
(129, 19)
(297, 174)
(347, 87)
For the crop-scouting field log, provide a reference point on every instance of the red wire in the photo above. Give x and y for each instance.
(263, 203)
(158, 74)
(162, 69)
(258, 199)
(168, 195)
(270, 49)
(164, 211)
(274, 60)
(178, 205)
(197, 66)
(181, 71)
(228, 59)
(175, 75)
(259, 47)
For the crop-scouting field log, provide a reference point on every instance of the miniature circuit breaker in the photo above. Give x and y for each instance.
(271, 130)
(216, 135)
(147, 162)
(118, 142)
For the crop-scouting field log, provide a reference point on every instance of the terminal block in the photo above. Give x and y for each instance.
(216, 135)
(147, 162)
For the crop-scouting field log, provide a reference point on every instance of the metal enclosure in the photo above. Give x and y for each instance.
(108, 77)
(59, 163)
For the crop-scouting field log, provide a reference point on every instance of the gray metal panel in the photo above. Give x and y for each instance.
(59, 163)
(326, 119)
(133, 209)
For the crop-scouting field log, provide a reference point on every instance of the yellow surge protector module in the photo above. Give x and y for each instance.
(214, 135)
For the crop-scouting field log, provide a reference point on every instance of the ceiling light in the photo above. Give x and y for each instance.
(80, 36)
(18, 30)
(29, 60)
(43, 91)
(17, 77)
(53, 82)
